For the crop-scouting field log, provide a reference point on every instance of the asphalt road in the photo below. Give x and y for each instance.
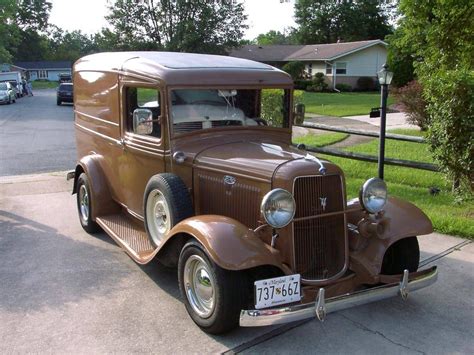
(65, 291)
(36, 135)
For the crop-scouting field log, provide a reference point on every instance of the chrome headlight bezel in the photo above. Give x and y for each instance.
(373, 195)
(278, 201)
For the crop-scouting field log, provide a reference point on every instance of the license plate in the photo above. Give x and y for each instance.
(276, 291)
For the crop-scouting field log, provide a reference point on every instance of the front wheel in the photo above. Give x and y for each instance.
(58, 102)
(402, 255)
(213, 296)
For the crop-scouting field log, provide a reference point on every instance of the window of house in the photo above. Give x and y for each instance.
(42, 74)
(144, 98)
(310, 69)
(328, 69)
(341, 68)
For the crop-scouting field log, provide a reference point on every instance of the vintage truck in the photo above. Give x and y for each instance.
(188, 158)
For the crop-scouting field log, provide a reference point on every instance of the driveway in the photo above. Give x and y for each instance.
(64, 291)
(36, 135)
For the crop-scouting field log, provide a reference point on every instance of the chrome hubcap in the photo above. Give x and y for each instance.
(199, 285)
(158, 216)
(84, 203)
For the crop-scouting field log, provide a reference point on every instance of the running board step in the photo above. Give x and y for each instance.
(130, 235)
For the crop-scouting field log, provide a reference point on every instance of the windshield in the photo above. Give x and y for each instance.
(3, 86)
(198, 109)
(65, 87)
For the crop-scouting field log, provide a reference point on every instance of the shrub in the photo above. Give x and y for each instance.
(302, 84)
(414, 105)
(366, 83)
(450, 97)
(295, 69)
(343, 87)
(318, 84)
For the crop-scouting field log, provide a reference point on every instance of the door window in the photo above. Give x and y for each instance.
(139, 100)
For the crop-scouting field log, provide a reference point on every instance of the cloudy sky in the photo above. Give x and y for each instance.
(88, 15)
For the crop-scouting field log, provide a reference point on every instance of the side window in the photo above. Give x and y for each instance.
(143, 103)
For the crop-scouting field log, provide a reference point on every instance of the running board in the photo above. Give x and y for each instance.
(130, 235)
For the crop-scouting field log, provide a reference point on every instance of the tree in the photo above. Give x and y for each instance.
(178, 25)
(441, 35)
(275, 37)
(21, 22)
(327, 21)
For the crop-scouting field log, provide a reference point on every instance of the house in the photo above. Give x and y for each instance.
(45, 70)
(343, 62)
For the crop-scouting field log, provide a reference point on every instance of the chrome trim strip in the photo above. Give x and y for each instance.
(273, 316)
(225, 172)
(110, 139)
(96, 118)
(346, 240)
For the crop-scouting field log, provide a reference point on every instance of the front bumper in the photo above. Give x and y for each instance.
(319, 309)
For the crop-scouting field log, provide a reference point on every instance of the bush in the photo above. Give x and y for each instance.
(318, 84)
(295, 69)
(302, 84)
(343, 87)
(414, 105)
(366, 83)
(450, 97)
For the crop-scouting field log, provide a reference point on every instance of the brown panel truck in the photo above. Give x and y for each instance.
(188, 158)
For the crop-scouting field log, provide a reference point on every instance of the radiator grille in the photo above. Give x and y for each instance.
(239, 201)
(319, 243)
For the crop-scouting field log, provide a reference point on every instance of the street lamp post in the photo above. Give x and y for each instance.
(385, 78)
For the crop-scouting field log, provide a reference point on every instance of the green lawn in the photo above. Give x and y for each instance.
(447, 214)
(321, 140)
(341, 104)
(38, 85)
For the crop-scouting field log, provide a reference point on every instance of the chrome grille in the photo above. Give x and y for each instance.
(319, 243)
(239, 201)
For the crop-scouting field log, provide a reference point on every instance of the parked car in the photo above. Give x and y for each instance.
(187, 158)
(64, 93)
(65, 78)
(7, 93)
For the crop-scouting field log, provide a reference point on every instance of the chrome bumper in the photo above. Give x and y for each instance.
(319, 309)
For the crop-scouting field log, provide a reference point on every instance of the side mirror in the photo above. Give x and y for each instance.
(299, 113)
(142, 121)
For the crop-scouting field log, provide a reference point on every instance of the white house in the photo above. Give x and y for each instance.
(45, 70)
(343, 62)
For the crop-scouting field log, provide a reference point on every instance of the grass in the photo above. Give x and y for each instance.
(320, 140)
(448, 215)
(38, 85)
(342, 104)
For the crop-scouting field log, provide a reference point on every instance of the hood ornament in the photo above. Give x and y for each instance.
(322, 168)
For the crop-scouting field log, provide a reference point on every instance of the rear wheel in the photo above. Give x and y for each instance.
(402, 255)
(84, 204)
(213, 296)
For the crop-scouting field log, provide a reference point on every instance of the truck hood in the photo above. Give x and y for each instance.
(250, 158)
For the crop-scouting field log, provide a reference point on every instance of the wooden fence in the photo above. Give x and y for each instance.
(366, 157)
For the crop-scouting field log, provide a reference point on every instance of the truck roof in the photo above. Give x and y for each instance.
(185, 68)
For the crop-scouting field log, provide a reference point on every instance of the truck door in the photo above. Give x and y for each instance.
(143, 143)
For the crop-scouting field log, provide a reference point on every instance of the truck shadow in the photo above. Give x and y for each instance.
(42, 268)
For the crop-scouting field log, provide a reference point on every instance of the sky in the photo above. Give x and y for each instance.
(88, 15)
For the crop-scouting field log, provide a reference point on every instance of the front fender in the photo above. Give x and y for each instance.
(229, 243)
(401, 219)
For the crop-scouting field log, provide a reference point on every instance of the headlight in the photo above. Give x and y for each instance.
(373, 195)
(278, 208)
